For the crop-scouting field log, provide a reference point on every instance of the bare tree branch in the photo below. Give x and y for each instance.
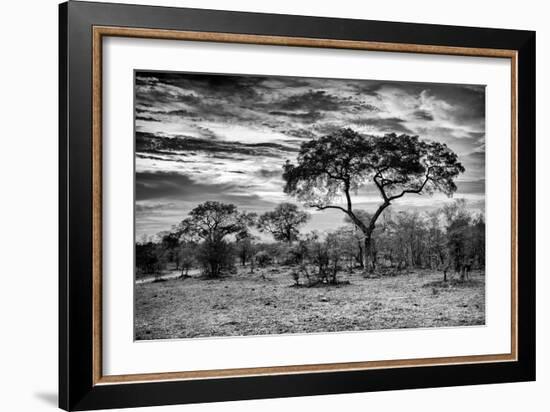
(417, 190)
(319, 207)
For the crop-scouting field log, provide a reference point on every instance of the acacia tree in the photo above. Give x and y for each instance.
(212, 222)
(284, 222)
(335, 166)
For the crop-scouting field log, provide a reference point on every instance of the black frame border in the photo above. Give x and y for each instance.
(76, 388)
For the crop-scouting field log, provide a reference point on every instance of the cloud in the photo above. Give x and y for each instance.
(423, 115)
(384, 125)
(476, 156)
(368, 88)
(270, 173)
(471, 187)
(478, 136)
(306, 117)
(311, 101)
(225, 137)
(144, 208)
(172, 185)
(300, 133)
(147, 118)
(152, 143)
(180, 113)
(176, 186)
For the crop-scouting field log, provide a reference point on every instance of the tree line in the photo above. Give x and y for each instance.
(217, 237)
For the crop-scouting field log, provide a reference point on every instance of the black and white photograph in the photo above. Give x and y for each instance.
(269, 205)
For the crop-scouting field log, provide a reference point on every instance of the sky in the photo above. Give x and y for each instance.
(219, 137)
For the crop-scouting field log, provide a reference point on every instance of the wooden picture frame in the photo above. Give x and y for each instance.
(83, 26)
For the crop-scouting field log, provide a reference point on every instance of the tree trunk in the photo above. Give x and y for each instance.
(359, 257)
(369, 264)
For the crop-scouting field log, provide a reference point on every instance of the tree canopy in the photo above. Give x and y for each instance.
(213, 221)
(283, 222)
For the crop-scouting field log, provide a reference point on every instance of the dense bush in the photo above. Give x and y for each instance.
(263, 258)
(151, 258)
(317, 260)
(215, 257)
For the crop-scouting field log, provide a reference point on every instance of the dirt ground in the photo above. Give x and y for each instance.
(266, 303)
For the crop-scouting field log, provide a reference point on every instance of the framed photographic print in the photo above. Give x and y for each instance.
(257, 205)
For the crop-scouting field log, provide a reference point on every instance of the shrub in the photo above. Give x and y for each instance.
(263, 258)
(215, 257)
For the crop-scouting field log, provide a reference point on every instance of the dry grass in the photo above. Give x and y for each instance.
(266, 303)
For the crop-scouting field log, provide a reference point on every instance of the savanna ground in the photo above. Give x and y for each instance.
(268, 302)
